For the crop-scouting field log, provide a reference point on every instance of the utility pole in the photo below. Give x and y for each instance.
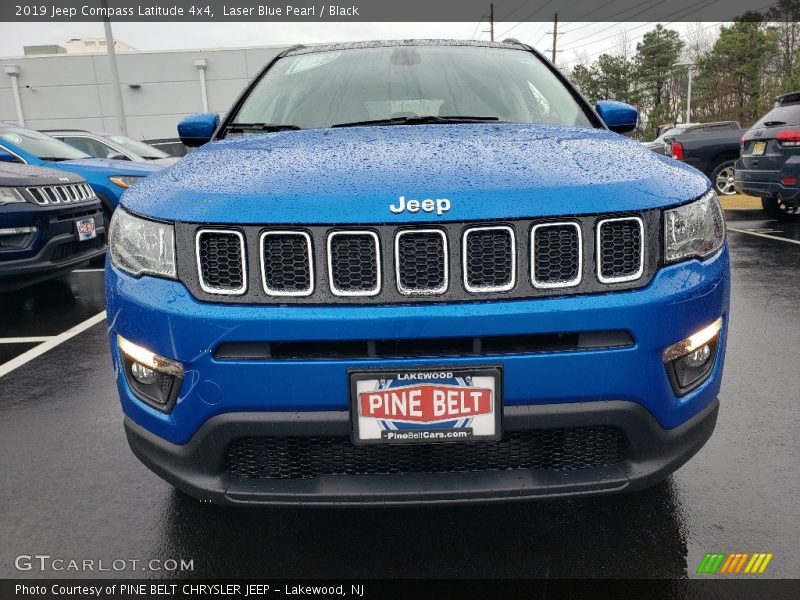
(116, 90)
(490, 31)
(690, 72)
(555, 35)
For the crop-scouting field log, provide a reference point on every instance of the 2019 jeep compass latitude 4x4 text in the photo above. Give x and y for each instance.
(410, 272)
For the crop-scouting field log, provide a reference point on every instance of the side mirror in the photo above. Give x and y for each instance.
(197, 129)
(6, 156)
(118, 157)
(618, 116)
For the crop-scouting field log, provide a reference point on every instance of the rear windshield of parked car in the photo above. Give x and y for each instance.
(322, 89)
(786, 114)
(40, 145)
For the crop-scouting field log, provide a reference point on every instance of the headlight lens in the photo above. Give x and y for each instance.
(124, 181)
(142, 247)
(694, 230)
(9, 195)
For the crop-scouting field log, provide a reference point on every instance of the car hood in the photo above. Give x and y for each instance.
(352, 175)
(109, 166)
(12, 174)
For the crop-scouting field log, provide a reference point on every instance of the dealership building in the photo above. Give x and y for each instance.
(67, 90)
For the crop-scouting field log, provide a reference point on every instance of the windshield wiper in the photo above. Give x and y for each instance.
(59, 159)
(417, 120)
(268, 127)
(773, 123)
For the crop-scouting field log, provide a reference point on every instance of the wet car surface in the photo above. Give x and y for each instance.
(73, 489)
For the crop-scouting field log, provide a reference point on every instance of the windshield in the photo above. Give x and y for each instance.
(137, 147)
(40, 145)
(785, 114)
(323, 89)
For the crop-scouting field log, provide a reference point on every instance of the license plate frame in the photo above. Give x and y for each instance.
(759, 148)
(460, 381)
(83, 229)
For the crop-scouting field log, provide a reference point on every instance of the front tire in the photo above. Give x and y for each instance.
(722, 176)
(780, 210)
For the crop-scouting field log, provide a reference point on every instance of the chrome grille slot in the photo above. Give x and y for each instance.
(620, 249)
(421, 261)
(286, 263)
(354, 263)
(38, 195)
(556, 255)
(221, 261)
(489, 255)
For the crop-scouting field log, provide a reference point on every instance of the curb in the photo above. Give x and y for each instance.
(744, 214)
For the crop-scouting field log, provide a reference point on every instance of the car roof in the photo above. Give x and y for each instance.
(509, 43)
(65, 131)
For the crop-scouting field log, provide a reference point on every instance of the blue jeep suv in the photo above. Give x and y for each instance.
(416, 272)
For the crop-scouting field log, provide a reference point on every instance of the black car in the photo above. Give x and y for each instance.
(51, 222)
(769, 166)
(667, 133)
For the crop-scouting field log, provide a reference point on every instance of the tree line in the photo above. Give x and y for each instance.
(737, 72)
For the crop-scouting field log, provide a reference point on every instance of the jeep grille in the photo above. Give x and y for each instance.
(61, 194)
(380, 264)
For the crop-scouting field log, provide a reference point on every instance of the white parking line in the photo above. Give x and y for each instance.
(764, 235)
(51, 343)
(26, 340)
(88, 270)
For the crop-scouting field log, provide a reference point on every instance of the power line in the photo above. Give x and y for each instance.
(569, 62)
(472, 37)
(609, 16)
(525, 19)
(650, 23)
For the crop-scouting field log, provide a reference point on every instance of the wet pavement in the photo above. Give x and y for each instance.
(72, 488)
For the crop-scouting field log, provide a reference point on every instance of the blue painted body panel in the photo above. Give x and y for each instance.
(164, 316)
(351, 175)
(95, 171)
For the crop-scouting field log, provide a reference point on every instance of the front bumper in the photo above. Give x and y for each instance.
(221, 400)
(198, 467)
(51, 260)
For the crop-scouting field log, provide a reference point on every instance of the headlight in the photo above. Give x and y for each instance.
(694, 230)
(124, 181)
(9, 195)
(140, 247)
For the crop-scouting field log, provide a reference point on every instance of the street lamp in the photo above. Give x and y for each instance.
(689, 66)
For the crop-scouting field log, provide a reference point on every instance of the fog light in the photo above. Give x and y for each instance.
(153, 379)
(142, 374)
(690, 361)
(699, 357)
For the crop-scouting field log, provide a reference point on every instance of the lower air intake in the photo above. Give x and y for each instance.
(563, 449)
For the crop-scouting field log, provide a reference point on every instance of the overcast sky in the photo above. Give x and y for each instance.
(589, 38)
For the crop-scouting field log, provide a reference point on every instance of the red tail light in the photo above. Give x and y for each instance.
(677, 150)
(741, 141)
(788, 137)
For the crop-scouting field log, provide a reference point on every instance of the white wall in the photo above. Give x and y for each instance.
(63, 90)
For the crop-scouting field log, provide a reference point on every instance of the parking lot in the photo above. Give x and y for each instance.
(74, 490)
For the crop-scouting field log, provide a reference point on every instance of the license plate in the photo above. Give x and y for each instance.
(86, 229)
(422, 406)
(758, 148)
